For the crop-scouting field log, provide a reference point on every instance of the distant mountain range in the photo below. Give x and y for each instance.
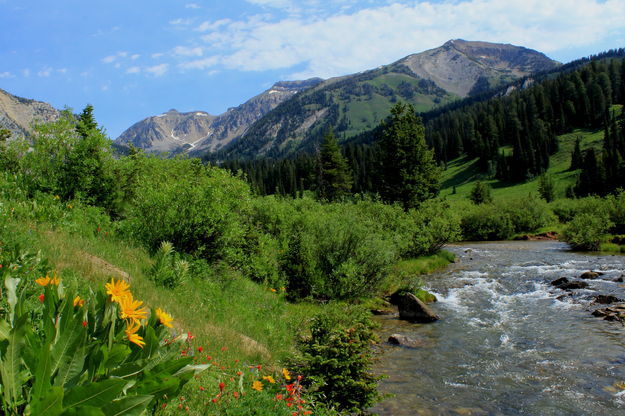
(19, 114)
(292, 115)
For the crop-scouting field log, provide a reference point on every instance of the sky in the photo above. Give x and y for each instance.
(133, 59)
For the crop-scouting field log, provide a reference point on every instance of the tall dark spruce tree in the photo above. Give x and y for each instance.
(408, 172)
(335, 177)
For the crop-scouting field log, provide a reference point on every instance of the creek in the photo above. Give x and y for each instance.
(509, 343)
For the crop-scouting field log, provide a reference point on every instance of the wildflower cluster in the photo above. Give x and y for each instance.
(131, 311)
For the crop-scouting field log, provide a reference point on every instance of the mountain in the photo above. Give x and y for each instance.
(18, 114)
(199, 131)
(356, 103)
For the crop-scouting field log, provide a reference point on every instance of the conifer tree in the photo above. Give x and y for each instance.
(408, 171)
(334, 174)
(576, 156)
(546, 188)
(481, 193)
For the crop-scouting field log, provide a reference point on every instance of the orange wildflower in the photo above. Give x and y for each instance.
(45, 281)
(131, 334)
(131, 309)
(269, 379)
(79, 302)
(118, 290)
(164, 318)
(257, 385)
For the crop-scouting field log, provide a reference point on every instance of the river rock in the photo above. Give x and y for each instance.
(590, 275)
(620, 279)
(606, 299)
(412, 309)
(576, 284)
(404, 341)
(612, 313)
(382, 312)
(560, 281)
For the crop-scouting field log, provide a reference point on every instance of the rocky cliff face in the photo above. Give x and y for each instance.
(199, 131)
(462, 67)
(19, 114)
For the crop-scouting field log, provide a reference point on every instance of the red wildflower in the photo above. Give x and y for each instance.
(41, 297)
(189, 336)
(222, 385)
(84, 324)
(259, 367)
(200, 349)
(214, 400)
(236, 394)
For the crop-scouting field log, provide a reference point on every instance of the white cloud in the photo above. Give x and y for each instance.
(158, 70)
(135, 56)
(133, 70)
(157, 55)
(187, 51)
(26, 72)
(6, 75)
(109, 59)
(346, 42)
(62, 71)
(192, 6)
(181, 22)
(45, 72)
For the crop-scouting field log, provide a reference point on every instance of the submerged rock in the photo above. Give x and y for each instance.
(564, 284)
(382, 312)
(606, 299)
(560, 281)
(412, 309)
(620, 279)
(590, 275)
(404, 341)
(612, 313)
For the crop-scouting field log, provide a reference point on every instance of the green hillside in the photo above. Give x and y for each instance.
(462, 173)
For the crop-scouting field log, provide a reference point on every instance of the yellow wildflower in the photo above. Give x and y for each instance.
(257, 385)
(269, 379)
(130, 309)
(164, 318)
(131, 334)
(118, 290)
(45, 281)
(286, 374)
(79, 302)
(273, 290)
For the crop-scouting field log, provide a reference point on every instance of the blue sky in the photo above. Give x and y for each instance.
(133, 59)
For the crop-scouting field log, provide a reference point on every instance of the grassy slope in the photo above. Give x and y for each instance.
(462, 172)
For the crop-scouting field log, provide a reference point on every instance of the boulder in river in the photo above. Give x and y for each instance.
(404, 341)
(412, 309)
(612, 313)
(620, 279)
(560, 281)
(564, 284)
(606, 299)
(590, 275)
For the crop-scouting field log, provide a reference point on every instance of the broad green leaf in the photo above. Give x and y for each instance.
(95, 394)
(151, 343)
(70, 368)
(67, 344)
(11, 371)
(192, 368)
(51, 404)
(116, 355)
(129, 370)
(128, 406)
(172, 366)
(11, 284)
(158, 386)
(5, 329)
(42, 373)
(83, 411)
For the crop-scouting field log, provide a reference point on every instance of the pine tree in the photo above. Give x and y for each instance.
(576, 156)
(546, 188)
(334, 174)
(408, 173)
(481, 193)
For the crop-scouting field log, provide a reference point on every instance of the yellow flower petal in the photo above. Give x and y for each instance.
(131, 334)
(118, 290)
(257, 385)
(164, 318)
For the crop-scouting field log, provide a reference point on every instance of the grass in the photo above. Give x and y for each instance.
(462, 173)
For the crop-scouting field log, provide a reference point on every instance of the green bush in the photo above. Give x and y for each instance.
(586, 231)
(198, 209)
(434, 224)
(337, 358)
(486, 222)
(528, 214)
(169, 269)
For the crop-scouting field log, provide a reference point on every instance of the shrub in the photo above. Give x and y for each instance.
(337, 358)
(528, 214)
(486, 222)
(169, 270)
(481, 193)
(198, 209)
(434, 224)
(586, 231)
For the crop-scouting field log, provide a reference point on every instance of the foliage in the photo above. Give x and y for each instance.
(169, 270)
(434, 225)
(586, 231)
(74, 356)
(408, 171)
(198, 209)
(337, 358)
(486, 222)
(481, 193)
(335, 175)
(546, 188)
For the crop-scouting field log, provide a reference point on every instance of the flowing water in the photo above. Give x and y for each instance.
(505, 344)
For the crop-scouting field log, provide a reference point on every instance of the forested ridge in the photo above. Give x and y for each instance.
(512, 131)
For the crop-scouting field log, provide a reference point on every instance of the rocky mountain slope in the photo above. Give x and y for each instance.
(19, 114)
(355, 103)
(199, 131)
